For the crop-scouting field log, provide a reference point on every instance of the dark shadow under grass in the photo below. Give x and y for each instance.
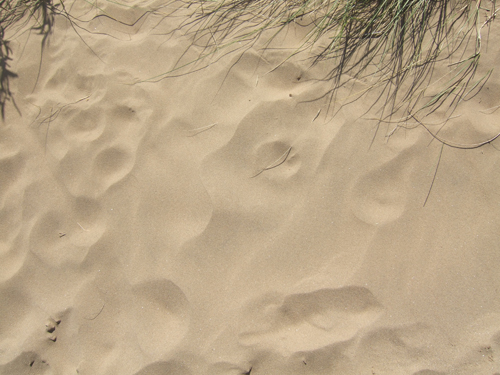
(5, 73)
(15, 15)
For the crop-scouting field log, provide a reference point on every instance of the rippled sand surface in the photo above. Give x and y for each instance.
(224, 223)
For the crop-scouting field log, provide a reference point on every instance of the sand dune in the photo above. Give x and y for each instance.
(223, 222)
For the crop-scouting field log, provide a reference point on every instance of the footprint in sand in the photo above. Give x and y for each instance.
(65, 233)
(105, 166)
(94, 144)
(87, 215)
(148, 320)
(271, 155)
(110, 166)
(380, 197)
(162, 316)
(85, 126)
(254, 170)
(307, 321)
(52, 239)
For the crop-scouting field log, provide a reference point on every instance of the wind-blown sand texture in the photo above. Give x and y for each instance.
(215, 223)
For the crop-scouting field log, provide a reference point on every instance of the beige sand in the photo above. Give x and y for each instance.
(205, 224)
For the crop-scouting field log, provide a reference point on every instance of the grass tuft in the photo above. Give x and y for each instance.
(15, 15)
(390, 45)
(394, 44)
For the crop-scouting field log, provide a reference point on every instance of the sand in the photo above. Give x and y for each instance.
(215, 223)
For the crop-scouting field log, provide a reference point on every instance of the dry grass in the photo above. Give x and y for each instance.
(394, 43)
(15, 15)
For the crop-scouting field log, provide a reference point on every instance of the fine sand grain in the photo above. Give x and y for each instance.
(230, 219)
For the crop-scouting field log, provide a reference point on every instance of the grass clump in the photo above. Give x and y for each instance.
(397, 41)
(392, 45)
(15, 17)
